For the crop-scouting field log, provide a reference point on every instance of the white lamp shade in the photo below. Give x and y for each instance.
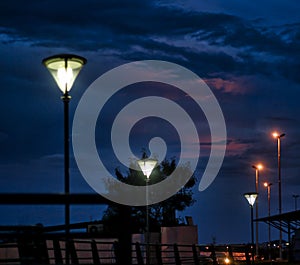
(147, 165)
(251, 197)
(64, 68)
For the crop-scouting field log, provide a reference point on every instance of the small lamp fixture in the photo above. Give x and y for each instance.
(147, 165)
(277, 135)
(251, 197)
(258, 167)
(64, 68)
(266, 184)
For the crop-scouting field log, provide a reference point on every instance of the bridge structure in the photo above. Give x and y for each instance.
(288, 223)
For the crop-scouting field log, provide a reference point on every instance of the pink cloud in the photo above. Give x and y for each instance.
(233, 85)
(236, 147)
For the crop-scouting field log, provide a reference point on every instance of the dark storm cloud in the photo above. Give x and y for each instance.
(133, 30)
(252, 36)
(281, 119)
(56, 19)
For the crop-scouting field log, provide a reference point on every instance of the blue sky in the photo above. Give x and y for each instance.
(247, 53)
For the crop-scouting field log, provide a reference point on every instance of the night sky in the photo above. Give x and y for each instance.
(247, 52)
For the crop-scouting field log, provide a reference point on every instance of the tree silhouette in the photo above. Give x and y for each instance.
(160, 214)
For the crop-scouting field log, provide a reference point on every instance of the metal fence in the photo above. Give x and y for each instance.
(38, 250)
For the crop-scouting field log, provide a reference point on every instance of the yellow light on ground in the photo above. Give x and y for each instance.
(227, 260)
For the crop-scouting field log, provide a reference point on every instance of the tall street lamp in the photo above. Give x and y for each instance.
(147, 165)
(257, 169)
(268, 186)
(278, 136)
(251, 197)
(65, 68)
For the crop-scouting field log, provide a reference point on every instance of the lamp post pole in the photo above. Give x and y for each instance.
(268, 186)
(147, 222)
(256, 211)
(252, 229)
(257, 168)
(278, 137)
(66, 99)
(295, 197)
(279, 193)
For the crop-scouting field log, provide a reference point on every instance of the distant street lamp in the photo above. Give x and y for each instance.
(147, 165)
(257, 169)
(64, 68)
(278, 136)
(268, 186)
(295, 197)
(251, 197)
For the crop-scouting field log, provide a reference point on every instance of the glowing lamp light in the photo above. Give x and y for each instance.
(64, 68)
(147, 165)
(258, 167)
(267, 184)
(277, 135)
(251, 197)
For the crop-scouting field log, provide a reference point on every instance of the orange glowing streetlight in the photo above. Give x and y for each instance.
(258, 166)
(278, 136)
(268, 186)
